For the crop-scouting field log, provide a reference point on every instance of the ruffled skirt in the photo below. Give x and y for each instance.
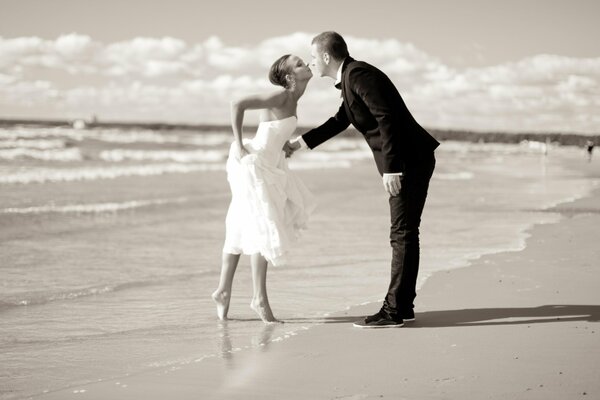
(269, 207)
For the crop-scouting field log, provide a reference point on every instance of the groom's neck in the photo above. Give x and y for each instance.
(334, 68)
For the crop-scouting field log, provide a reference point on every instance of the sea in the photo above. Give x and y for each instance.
(111, 239)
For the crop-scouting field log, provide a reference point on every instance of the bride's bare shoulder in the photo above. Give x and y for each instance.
(272, 99)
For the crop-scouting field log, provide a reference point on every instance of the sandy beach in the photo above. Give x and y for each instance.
(119, 200)
(513, 325)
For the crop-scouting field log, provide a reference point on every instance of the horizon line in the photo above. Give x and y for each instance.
(70, 122)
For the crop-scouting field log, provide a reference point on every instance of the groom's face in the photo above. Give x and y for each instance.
(318, 60)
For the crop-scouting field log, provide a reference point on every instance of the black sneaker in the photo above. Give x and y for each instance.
(377, 316)
(378, 320)
(408, 316)
(380, 323)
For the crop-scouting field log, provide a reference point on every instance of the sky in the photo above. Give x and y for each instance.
(528, 65)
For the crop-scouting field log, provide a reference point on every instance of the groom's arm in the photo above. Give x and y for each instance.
(326, 131)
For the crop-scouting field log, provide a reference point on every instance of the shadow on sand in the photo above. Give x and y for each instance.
(489, 316)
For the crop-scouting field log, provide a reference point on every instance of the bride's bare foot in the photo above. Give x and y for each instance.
(263, 310)
(221, 299)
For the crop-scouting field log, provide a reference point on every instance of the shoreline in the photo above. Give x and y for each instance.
(462, 135)
(492, 309)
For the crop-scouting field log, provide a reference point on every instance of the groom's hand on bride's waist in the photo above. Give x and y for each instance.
(290, 147)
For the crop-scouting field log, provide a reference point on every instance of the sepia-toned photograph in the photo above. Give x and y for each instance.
(336, 200)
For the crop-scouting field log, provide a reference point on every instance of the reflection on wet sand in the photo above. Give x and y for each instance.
(260, 338)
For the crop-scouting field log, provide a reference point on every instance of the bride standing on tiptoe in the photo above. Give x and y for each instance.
(269, 203)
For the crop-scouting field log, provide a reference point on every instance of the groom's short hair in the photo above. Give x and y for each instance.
(332, 43)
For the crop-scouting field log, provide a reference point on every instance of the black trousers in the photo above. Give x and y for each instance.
(405, 210)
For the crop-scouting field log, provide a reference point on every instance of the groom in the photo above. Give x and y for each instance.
(403, 152)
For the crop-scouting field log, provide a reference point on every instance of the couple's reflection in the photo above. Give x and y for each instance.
(260, 337)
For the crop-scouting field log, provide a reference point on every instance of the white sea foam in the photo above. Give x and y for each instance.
(300, 165)
(208, 139)
(116, 136)
(42, 144)
(345, 144)
(47, 295)
(339, 153)
(41, 175)
(72, 154)
(334, 155)
(136, 136)
(119, 136)
(578, 188)
(540, 147)
(35, 133)
(183, 156)
(454, 176)
(525, 147)
(92, 208)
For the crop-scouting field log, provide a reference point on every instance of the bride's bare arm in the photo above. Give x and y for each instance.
(254, 102)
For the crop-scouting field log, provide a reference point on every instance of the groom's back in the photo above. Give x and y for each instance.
(371, 94)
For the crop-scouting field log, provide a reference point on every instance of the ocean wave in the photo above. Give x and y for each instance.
(10, 175)
(208, 139)
(43, 175)
(305, 165)
(525, 147)
(42, 144)
(73, 154)
(45, 297)
(345, 144)
(141, 136)
(36, 133)
(325, 156)
(454, 176)
(187, 156)
(121, 136)
(196, 139)
(92, 208)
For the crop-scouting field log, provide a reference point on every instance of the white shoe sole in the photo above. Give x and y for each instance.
(377, 326)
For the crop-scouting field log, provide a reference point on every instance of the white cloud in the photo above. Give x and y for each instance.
(143, 48)
(71, 53)
(13, 51)
(169, 79)
(73, 46)
(146, 57)
(229, 59)
(539, 93)
(29, 94)
(267, 51)
(6, 79)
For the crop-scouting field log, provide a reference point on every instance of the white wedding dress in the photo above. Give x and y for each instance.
(269, 204)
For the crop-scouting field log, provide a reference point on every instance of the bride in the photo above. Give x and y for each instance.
(269, 203)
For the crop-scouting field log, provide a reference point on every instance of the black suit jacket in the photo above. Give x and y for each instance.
(373, 105)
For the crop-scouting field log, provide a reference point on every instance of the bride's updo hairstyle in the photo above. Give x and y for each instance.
(279, 70)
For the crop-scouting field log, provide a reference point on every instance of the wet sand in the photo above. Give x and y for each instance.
(513, 325)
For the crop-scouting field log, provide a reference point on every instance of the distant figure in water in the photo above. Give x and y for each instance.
(590, 149)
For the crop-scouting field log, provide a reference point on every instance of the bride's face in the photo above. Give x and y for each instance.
(299, 69)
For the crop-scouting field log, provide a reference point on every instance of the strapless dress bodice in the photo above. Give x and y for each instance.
(271, 136)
